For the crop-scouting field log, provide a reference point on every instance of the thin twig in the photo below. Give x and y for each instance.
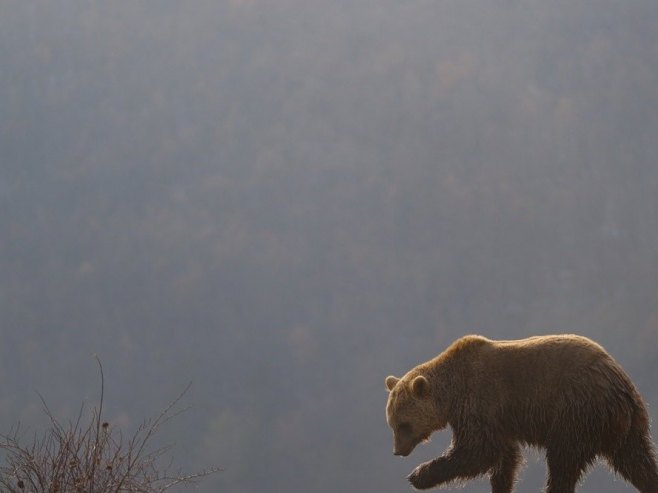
(91, 457)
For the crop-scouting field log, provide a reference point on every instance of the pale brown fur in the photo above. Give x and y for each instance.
(563, 393)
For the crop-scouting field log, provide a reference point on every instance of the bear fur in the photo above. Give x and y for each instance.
(563, 393)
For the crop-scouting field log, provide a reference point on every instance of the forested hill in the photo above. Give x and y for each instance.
(285, 201)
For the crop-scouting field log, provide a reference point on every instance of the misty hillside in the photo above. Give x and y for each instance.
(284, 202)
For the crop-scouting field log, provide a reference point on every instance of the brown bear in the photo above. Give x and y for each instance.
(563, 393)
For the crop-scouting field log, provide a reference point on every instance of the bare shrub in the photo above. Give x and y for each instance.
(91, 456)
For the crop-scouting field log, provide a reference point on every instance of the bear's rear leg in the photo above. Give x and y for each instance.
(503, 475)
(565, 470)
(635, 461)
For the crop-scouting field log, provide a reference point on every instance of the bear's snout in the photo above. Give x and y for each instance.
(404, 449)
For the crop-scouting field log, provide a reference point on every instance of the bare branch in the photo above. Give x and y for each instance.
(91, 456)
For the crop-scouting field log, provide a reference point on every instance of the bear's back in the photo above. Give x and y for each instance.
(543, 380)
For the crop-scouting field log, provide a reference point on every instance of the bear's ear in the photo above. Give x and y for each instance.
(420, 386)
(391, 382)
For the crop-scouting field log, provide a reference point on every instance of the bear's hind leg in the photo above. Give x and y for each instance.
(565, 470)
(503, 475)
(635, 461)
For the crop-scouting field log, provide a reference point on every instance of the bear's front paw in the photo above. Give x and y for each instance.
(420, 478)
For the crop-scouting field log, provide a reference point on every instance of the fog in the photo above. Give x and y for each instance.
(283, 202)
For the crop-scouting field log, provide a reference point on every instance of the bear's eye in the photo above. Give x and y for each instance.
(404, 428)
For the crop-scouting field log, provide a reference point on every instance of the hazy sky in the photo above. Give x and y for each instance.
(284, 202)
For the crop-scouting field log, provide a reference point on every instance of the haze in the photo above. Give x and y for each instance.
(285, 201)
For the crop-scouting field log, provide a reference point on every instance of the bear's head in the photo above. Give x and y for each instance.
(412, 412)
